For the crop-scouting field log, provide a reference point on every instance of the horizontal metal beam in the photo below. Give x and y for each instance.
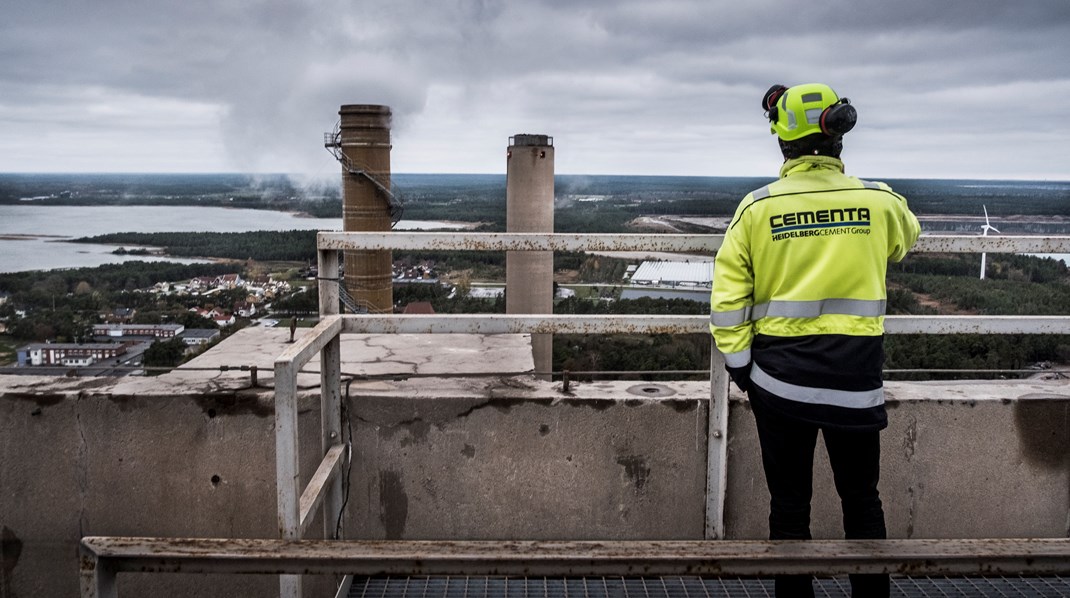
(655, 324)
(991, 244)
(977, 324)
(704, 244)
(1045, 556)
(533, 324)
(518, 241)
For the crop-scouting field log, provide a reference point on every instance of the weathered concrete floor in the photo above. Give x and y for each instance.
(393, 357)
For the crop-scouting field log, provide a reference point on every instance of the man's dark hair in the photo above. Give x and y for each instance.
(811, 145)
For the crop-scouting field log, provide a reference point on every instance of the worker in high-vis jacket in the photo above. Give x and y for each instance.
(798, 307)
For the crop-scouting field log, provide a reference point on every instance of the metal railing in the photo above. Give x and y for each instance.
(103, 558)
(296, 507)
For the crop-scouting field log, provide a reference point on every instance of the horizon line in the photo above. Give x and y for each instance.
(498, 174)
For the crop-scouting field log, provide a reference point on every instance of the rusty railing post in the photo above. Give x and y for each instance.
(717, 446)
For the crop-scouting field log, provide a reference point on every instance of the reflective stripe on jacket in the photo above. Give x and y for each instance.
(806, 256)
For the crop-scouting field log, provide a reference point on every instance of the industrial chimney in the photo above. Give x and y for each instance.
(364, 139)
(529, 198)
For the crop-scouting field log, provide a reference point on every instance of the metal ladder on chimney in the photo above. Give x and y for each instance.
(353, 305)
(332, 142)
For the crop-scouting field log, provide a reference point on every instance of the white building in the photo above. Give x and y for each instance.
(691, 280)
(486, 292)
(674, 274)
(68, 354)
(153, 330)
(199, 336)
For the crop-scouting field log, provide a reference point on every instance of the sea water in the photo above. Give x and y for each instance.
(38, 237)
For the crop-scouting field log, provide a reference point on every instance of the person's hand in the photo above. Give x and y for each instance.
(741, 376)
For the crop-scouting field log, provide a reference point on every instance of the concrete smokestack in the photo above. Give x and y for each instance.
(529, 198)
(365, 141)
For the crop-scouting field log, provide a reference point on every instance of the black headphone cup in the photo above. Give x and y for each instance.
(771, 96)
(838, 118)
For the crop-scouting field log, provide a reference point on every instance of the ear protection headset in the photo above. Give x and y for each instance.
(836, 119)
(769, 101)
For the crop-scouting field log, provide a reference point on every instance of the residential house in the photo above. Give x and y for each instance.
(122, 314)
(220, 317)
(196, 337)
(418, 307)
(245, 309)
(201, 283)
(230, 281)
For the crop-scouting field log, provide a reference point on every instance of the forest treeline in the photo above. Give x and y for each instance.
(950, 284)
(292, 245)
(1015, 284)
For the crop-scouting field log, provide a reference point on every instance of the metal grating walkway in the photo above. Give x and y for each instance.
(692, 587)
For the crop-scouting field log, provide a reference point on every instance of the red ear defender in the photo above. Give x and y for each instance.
(770, 98)
(838, 118)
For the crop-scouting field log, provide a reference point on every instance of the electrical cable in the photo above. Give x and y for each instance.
(347, 474)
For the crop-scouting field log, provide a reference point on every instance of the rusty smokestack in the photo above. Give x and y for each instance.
(529, 198)
(365, 143)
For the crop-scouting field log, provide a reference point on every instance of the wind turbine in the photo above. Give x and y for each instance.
(984, 233)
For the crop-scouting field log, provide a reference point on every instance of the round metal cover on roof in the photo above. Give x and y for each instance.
(651, 390)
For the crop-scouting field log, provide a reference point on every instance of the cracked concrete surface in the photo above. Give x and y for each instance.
(393, 356)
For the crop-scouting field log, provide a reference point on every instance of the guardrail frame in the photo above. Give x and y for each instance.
(325, 340)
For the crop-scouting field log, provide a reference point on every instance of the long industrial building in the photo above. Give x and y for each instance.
(691, 280)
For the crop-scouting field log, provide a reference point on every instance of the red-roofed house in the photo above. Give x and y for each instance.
(418, 307)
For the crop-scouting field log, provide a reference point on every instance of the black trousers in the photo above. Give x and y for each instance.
(788, 458)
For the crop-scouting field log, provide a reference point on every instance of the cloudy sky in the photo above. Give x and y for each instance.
(944, 88)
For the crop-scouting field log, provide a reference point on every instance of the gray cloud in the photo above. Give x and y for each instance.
(629, 86)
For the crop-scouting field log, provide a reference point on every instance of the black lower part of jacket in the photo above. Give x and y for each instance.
(833, 361)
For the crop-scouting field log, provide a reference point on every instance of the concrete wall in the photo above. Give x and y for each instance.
(486, 458)
(549, 467)
(967, 460)
(85, 464)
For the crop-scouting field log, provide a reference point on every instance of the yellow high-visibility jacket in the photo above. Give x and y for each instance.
(799, 285)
